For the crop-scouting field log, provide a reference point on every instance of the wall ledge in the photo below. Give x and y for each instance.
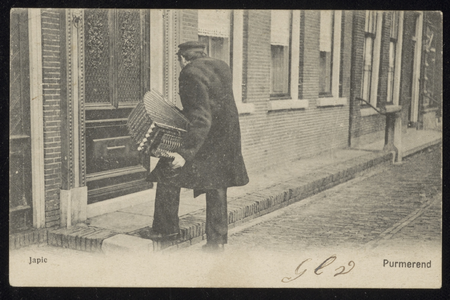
(321, 102)
(287, 104)
(368, 111)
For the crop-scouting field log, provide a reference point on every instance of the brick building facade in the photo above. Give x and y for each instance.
(297, 78)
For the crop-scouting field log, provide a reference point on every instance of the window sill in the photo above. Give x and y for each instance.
(287, 104)
(369, 111)
(245, 108)
(331, 102)
(393, 108)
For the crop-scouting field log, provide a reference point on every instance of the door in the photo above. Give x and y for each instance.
(20, 207)
(116, 78)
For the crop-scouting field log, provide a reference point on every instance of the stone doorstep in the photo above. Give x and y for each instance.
(240, 210)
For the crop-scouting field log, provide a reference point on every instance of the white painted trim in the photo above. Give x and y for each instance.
(37, 121)
(376, 61)
(104, 207)
(238, 42)
(369, 111)
(398, 60)
(336, 53)
(287, 104)
(331, 101)
(416, 70)
(157, 50)
(76, 101)
(238, 46)
(245, 108)
(295, 53)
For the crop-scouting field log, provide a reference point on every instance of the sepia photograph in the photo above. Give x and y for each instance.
(225, 148)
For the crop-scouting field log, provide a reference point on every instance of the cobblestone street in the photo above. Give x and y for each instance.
(397, 206)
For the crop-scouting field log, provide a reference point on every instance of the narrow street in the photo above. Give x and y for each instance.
(382, 212)
(399, 206)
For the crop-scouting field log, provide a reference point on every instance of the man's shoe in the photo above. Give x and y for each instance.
(213, 247)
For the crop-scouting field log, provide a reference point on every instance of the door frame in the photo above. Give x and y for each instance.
(163, 64)
(36, 117)
(415, 94)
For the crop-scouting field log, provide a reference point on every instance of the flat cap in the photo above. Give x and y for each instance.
(191, 45)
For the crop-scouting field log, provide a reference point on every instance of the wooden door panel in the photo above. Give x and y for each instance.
(114, 153)
(116, 79)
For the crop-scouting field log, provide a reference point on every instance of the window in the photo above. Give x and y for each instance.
(326, 52)
(280, 39)
(371, 56)
(285, 45)
(214, 31)
(330, 59)
(392, 55)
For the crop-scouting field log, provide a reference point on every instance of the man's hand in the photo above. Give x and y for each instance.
(178, 160)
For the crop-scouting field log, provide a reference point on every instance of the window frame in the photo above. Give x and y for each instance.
(398, 60)
(334, 98)
(393, 55)
(293, 101)
(287, 95)
(375, 72)
(236, 47)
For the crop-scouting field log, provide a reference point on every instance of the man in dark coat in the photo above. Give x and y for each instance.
(210, 159)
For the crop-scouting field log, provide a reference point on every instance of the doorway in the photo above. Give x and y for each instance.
(117, 74)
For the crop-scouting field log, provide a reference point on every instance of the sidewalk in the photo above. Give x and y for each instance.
(266, 192)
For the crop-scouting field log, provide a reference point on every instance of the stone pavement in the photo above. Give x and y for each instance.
(397, 206)
(265, 193)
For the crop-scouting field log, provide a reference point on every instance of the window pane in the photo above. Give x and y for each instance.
(325, 72)
(326, 51)
(280, 36)
(390, 90)
(219, 48)
(216, 47)
(279, 70)
(204, 40)
(367, 71)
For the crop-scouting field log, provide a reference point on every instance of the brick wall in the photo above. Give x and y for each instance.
(51, 63)
(271, 138)
(189, 28)
(356, 75)
(366, 129)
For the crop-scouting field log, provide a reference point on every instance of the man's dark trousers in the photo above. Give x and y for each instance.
(166, 219)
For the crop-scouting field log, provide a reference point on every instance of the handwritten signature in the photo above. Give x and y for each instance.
(317, 270)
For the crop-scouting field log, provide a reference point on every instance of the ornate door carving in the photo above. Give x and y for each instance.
(116, 69)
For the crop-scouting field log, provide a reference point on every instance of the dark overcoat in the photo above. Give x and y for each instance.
(212, 145)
